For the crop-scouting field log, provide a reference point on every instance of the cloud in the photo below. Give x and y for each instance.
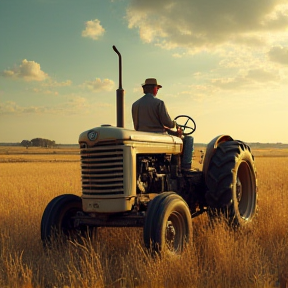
(48, 87)
(27, 70)
(99, 85)
(253, 78)
(178, 55)
(137, 89)
(10, 107)
(194, 24)
(8, 73)
(262, 76)
(57, 84)
(46, 92)
(93, 29)
(279, 54)
(78, 105)
(72, 105)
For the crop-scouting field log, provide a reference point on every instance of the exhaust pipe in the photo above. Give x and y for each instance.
(120, 94)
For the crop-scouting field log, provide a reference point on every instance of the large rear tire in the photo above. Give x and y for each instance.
(168, 224)
(58, 220)
(232, 183)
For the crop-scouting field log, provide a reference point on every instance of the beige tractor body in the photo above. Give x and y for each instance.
(108, 165)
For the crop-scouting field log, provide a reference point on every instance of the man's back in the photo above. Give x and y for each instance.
(150, 114)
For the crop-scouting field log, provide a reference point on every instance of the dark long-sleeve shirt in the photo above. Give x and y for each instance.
(150, 114)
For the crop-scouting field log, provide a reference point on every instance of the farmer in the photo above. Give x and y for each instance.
(150, 115)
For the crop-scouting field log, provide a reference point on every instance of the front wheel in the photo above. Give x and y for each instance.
(168, 224)
(58, 219)
(232, 183)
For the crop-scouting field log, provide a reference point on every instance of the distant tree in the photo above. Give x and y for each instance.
(40, 142)
(26, 143)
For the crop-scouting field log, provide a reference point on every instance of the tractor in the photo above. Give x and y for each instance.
(134, 179)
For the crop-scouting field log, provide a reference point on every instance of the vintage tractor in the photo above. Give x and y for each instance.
(134, 179)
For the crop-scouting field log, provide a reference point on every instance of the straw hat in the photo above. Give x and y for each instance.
(151, 81)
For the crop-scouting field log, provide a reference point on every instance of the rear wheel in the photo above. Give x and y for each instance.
(168, 224)
(231, 182)
(58, 220)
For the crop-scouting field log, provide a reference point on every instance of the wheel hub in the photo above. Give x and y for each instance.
(170, 232)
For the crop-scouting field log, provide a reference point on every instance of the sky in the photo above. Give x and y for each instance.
(222, 62)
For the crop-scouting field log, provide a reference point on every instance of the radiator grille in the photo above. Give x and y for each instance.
(102, 171)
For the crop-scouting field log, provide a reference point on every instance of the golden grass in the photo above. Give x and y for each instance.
(255, 256)
(38, 154)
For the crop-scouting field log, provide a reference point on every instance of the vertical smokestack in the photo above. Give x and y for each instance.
(120, 94)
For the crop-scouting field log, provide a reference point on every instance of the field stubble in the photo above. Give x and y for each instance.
(254, 256)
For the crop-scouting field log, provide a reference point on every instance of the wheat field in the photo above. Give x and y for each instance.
(253, 256)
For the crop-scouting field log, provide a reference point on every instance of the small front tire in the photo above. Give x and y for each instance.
(168, 224)
(58, 219)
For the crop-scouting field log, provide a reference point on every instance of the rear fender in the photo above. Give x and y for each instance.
(211, 148)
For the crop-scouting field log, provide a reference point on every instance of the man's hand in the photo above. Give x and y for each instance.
(179, 130)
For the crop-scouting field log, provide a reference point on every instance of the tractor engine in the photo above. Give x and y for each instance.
(153, 173)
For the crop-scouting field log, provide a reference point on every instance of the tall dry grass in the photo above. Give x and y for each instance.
(255, 256)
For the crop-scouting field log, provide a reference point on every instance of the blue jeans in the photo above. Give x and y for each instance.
(188, 149)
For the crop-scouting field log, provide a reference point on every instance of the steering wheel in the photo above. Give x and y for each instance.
(185, 120)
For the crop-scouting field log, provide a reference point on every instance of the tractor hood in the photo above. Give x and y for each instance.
(112, 134)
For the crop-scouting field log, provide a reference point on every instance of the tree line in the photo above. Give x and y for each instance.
(38, 142)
